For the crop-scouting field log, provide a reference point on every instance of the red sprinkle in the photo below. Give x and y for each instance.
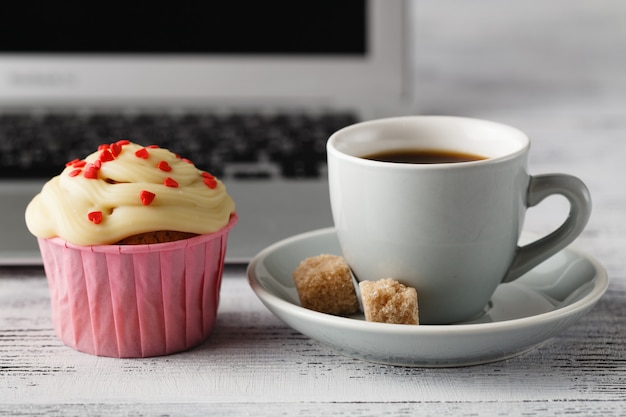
(164, 166)
(91, 172)
(146, 197)
(123, 142)
(95, 217)
(142, 153)
(210, 182)
(79, 164)
(169, 182)
(116, 149)
(207, 175)
(71, 163)
(153, 146)
(188, 161)
(106, 156)
(75, 172)
(103, 147)
(97, 163)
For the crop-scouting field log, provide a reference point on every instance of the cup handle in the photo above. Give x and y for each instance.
(540, 187)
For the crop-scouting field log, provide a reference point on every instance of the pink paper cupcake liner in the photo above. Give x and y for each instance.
(130, 301)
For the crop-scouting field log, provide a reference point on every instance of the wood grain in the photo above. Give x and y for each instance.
(255, 362)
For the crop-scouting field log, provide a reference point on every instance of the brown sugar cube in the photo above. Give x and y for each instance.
(388, 301)
(324, 284)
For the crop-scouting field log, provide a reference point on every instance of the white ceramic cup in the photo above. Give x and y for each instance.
(450, 230)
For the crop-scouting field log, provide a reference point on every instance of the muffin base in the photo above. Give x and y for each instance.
(135, 300)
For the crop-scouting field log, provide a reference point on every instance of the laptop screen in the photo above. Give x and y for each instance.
(188, 27)
(279, 53)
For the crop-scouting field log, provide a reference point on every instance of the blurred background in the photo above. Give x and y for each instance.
(484, 56)
(553, 68)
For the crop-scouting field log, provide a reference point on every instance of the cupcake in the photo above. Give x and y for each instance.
(133, 241)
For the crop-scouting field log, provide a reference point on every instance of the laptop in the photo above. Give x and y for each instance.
(285, 74)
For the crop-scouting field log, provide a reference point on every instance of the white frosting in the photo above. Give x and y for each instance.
(108, 208)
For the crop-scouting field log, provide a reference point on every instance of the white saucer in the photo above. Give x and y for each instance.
(521, 314)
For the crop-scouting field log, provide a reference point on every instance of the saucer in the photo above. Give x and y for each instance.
(520, 316)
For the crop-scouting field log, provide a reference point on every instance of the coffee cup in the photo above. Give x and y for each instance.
(449, 226)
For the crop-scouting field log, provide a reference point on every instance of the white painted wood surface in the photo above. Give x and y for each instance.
(255, 365)
(556, 70)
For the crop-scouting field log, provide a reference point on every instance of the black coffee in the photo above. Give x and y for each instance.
(423, 156)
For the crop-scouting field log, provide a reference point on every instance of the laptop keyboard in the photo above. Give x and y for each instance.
(237, 145)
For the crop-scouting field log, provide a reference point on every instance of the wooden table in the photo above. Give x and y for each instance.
(253, 364)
